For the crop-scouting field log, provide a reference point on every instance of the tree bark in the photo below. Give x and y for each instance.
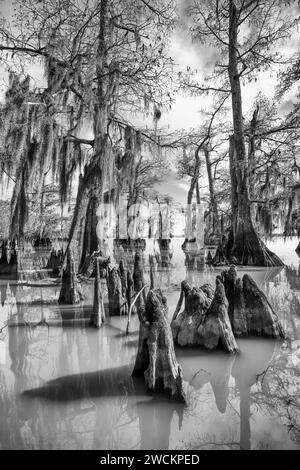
(156, 359)
(90, 187)
(215, 328)
(139, 283)
(194, 187)
(70, 292)
(117, 302)
(244, 247)
(204, 320)
(249, 309)
(90, 239)
(185, 324)
(213, 202)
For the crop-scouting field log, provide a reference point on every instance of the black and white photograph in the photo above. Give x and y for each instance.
(149, 228)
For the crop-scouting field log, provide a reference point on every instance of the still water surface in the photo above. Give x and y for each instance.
(66, 386)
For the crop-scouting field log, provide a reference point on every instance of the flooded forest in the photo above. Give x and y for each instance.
(149, 225)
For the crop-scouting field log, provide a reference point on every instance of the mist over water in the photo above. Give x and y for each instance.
(64, 385)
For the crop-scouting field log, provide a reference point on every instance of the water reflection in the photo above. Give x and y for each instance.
(71, 388)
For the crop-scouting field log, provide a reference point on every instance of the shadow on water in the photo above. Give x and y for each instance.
(155, 413)
(108, 382)
(104, 407)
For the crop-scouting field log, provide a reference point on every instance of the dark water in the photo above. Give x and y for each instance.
(69, 387)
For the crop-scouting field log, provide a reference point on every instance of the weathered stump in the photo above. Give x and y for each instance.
(117, 303)
(215, 328)
(98, 314)
(185, 324)
(70, 292)
(250, 310)
(156, 359)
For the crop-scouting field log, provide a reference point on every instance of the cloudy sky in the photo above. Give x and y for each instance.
(186, 111)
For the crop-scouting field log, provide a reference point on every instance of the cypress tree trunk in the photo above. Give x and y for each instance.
(70, 292)
(244, 247)
(90, 240)
(156, 359)
(213, 202)
(89, 194)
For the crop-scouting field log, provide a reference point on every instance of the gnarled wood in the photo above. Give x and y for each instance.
(139, 281)
(250, 310)
(70, 292)
(156, 358)
(215, 328)
(117, 303)
(185, 324)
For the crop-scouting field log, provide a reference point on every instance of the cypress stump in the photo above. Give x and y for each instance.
(250, 311)
(185, 324)
(117, 302)
(215, 328)
(156, 359)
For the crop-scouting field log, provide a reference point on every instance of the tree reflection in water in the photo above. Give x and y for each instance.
(79, 392)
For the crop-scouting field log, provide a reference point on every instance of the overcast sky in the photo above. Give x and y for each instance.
(185, 112)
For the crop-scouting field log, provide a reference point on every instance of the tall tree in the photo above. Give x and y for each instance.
(224, 24)
(104, 60)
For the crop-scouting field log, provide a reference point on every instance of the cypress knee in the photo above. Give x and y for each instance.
(156, 359)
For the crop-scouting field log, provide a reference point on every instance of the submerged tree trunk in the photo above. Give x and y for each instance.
(9, 259)
(213, 202)
(117, 301)
(194, 187)
(90, 239)
(98, 315)
(139, 282)
(249, 309)
(215, 328)
(70, 292)
(55, 261)
(204, 321)
(185, 324)
(243, 247)
(156, 359)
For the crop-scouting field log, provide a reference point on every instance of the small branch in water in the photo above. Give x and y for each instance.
(198, 372)
(132, 305)
(179, 304)
(263, 374)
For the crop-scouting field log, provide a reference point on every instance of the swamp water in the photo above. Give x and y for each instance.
(67, 386)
